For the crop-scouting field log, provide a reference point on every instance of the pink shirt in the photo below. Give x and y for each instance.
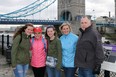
(38, 54)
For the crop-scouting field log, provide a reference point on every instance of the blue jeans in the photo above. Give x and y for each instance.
(21, 70)
(69, 71)
(85, 72)
(53, 72)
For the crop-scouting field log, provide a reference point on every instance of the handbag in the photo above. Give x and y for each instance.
(51, 61)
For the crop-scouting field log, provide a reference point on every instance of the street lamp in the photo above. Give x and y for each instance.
(93, 15)
(115, 11)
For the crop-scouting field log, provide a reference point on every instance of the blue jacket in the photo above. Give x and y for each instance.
(68, 49)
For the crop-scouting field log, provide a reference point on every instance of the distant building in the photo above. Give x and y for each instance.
(9, 30)
(105, 20)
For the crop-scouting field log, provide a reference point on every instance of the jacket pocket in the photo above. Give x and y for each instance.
(86, 57)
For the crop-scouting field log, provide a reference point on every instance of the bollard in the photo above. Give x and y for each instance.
(7, 40)
(8, 54)
(2, 44)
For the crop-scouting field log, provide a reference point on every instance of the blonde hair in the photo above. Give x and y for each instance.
(65, 24)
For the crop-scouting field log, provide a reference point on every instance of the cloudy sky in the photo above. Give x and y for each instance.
(95, 8)
(98, 8)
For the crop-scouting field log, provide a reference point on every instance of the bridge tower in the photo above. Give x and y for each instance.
(71, 10)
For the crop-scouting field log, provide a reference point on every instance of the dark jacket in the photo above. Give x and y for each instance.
(20, 51)
(89, 49)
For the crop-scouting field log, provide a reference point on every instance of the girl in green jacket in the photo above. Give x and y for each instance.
(20, 56)
(54, 53)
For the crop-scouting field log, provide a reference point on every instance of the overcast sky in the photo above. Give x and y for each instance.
(95, 8)
(100, 7)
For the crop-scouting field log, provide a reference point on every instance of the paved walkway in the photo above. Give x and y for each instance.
(6, 70)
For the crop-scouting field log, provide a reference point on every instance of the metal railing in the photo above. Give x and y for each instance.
(5, 41)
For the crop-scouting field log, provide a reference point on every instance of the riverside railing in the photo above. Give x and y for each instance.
(5, 41)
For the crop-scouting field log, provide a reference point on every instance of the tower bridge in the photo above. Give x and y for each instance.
(68, 10)
(105, 24)
(36, 22)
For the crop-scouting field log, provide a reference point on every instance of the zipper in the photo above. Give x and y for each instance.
(86, 57)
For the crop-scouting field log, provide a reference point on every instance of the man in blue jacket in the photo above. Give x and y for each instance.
(89, 54)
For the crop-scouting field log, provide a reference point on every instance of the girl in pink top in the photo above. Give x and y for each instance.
(38, 53)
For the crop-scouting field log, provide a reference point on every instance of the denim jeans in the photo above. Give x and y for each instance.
(85, 72)
(21, 70)
(69, 71)
(53, 72)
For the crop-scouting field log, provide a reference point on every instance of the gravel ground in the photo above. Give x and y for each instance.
(6, 69)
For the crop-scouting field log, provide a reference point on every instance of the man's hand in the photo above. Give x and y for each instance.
(97, 69)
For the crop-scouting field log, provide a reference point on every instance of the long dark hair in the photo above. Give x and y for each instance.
(22, 29)
(50, 26)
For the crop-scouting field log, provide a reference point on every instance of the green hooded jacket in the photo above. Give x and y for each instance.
(20, 50)
(55, 50)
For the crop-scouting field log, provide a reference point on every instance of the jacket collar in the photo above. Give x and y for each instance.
(24, 35)
(86, 30)
(67, 34)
